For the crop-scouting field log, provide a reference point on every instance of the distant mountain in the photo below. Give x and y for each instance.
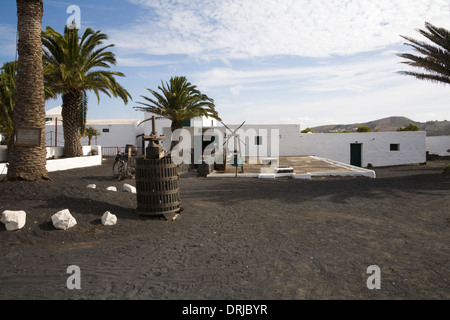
(433, 128)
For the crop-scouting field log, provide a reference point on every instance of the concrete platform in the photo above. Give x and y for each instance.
(303, 167)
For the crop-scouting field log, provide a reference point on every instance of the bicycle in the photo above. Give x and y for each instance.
(124, 166)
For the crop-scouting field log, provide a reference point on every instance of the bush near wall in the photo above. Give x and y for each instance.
(447, 170)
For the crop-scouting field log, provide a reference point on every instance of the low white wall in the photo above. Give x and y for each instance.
(73, 163)
(69, 163)
(59, 151)
(375, 147)
(55, 152)
(439, 145)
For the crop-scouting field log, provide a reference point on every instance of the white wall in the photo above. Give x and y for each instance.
(439, 145)
(335, 146)
(119, 135)
(79, 162)
(375, 147)
(68, 163)
(275, 139)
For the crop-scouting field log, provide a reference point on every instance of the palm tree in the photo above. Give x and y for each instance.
(73, 66)
(90, 132)
(29, 162)
(7, 90)
(434, 59)
(179, 101)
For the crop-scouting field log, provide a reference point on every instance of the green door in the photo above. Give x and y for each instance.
(356, 154)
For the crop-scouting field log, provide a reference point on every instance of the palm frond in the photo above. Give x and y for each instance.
(77, 63)
(178, 100)
(434, 56)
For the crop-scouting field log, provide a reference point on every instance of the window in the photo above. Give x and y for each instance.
(105, 130)
(258, 140)
(395, 147)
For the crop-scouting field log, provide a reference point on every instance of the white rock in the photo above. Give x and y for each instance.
(63, 220)
(91, 186)
(109, 219)
(129, 188)
(112, 188)
(13, 220)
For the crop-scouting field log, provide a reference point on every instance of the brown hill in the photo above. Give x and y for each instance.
(390, 124)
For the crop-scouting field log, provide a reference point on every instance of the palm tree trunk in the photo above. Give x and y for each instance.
(29, 162)
(70, 114)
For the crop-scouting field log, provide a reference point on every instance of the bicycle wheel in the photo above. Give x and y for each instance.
(123, 170)
(116, 168)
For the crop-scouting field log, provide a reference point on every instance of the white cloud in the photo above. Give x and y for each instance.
(126, 61)
(211, 29)
(346, 75)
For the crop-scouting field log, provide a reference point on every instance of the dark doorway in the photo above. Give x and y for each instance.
(356, 154)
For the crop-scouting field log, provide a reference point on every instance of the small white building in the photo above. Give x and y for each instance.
(375, 149)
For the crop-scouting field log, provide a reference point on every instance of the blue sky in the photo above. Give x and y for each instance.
(307, 62)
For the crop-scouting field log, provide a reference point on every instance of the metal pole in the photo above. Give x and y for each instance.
(56, 131)
(153, 126)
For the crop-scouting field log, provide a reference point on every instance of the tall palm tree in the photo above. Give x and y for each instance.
(179, 100)
(435, 55)
(29, 162)
(73, 66)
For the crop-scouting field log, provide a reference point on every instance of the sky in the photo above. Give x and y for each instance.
(307, 62)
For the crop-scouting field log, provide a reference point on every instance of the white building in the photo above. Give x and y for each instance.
(364, 149)
(113, 133)
(53, 115)
(361, 149)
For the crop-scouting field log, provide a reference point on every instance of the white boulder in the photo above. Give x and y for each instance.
(129, 188)
(13, 220)
(109, 219)
(112, 188)
(63, 220)
(91, 186)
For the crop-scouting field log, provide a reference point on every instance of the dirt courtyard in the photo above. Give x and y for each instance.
(237, 239)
